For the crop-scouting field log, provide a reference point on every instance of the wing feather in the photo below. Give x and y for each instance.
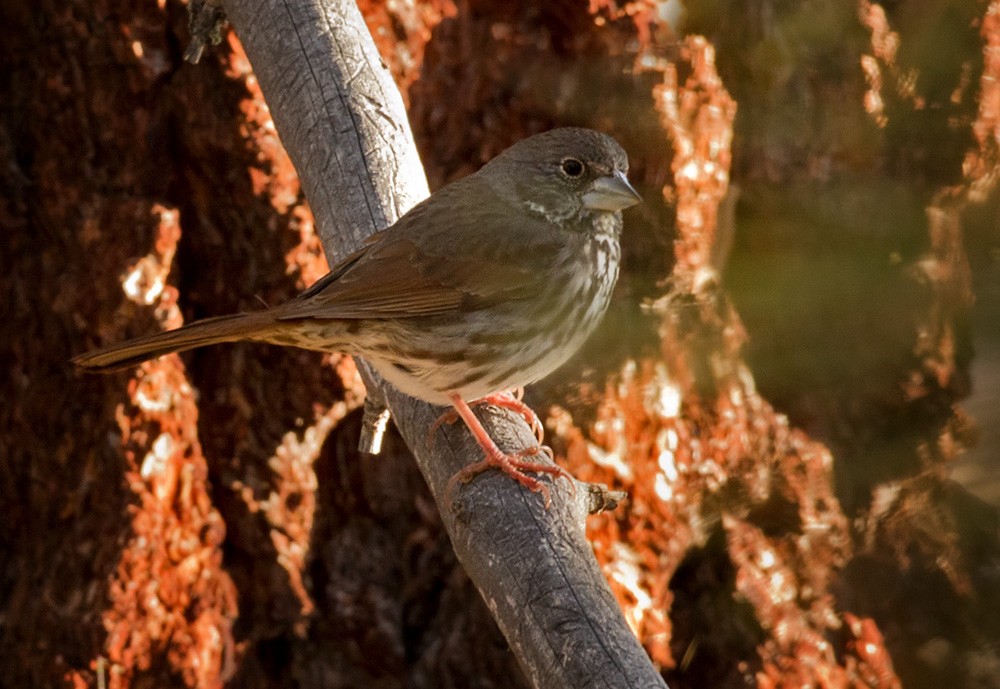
(424, 264)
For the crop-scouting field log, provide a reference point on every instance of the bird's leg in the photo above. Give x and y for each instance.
(507, 399)
(511, 464)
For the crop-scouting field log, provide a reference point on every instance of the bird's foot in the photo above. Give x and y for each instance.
(514, 465)
(511, 399)
(508, 399)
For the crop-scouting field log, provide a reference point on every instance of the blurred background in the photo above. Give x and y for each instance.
(798, 384)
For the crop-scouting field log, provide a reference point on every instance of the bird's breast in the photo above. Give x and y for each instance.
(506, 345)
(602, 254)
(577, 296)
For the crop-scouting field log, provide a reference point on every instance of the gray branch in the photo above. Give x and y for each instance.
(342, 120)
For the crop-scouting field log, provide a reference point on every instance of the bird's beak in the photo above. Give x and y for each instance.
(610, 193)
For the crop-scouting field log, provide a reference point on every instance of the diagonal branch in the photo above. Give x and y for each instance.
(342, 120)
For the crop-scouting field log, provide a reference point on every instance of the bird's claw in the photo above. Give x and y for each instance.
(514, 465)
(505, 400)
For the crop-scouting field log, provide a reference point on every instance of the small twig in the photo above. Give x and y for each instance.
(602, 499)
(373, 425)
(206, 19)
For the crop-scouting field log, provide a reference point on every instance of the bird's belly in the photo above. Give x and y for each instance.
(471, 370)
(480, 373)
(503, 346)
(410, 380)
(476, 358)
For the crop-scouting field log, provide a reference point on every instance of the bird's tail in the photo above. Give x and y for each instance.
(239, 326)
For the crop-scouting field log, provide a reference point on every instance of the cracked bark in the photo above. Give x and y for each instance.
(342, 120)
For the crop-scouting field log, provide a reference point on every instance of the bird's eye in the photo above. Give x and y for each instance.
(572, 167)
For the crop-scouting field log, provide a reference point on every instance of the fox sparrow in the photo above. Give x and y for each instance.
(487, 285)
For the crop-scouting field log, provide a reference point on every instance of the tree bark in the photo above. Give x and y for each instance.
(342, 120)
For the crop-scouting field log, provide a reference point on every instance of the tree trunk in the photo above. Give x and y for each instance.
(342, 121)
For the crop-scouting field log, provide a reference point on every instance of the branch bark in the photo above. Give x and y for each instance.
(342, 120)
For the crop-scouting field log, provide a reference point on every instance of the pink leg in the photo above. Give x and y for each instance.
(511, 464)
(506, 400)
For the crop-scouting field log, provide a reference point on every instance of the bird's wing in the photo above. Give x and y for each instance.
(447, 254)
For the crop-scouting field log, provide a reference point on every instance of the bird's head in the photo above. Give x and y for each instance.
(563, 174)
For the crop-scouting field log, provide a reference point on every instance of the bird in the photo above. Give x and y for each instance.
(487, 285)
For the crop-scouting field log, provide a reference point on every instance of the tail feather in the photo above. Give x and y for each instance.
(239, 326)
